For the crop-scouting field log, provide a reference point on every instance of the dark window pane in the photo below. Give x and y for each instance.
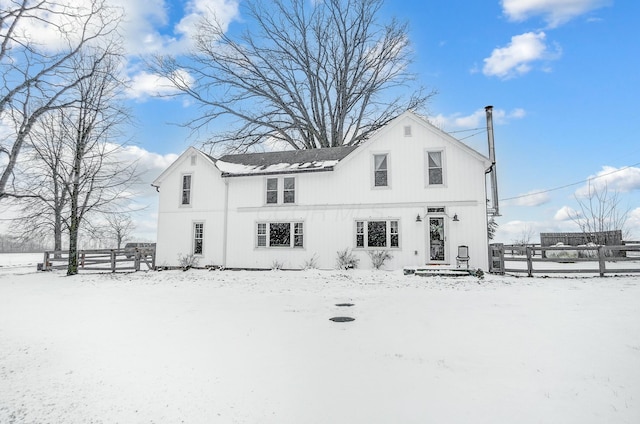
(289, 197)
(280, 234)
(377, 234)
(435, 176)
(381, 179)
(289, 183)
(197, 249)
(360, 240)
(272, 197)
(394, 240)
(186, 197)
(272, 184)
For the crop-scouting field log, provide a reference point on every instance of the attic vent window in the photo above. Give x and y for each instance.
(193, 160)
(407, 130)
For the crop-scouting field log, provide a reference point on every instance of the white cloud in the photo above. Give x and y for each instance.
(614, 179)
(145, 201)
(531, 198)
(565, 213)
(477, 119)
(146, 25)
(518, 56)
(554, 12)
(145, 84)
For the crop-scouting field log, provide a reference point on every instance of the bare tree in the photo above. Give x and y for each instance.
(600, 211)
(43, 183)
(35, 77)
(120, 227)
(309, 74)
(97, 178)
(525, 237)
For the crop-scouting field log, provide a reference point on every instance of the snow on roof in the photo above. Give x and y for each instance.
(282, 162)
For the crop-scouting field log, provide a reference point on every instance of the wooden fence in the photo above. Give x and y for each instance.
(535, 259)
(103, 259)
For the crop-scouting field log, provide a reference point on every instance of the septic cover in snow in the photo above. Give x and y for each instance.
(342, 319)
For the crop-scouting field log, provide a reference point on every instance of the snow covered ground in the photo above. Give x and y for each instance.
(258, 347)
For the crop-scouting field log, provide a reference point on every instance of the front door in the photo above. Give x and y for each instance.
(436, 240)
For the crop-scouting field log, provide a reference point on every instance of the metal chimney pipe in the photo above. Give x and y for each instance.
(494, 209)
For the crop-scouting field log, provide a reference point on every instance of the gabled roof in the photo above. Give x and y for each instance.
(190, 151)
(290, 161)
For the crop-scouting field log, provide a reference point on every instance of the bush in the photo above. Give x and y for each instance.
(187, 261)
(311, 263)
(347, 260)
(378, 257)
(277, 265)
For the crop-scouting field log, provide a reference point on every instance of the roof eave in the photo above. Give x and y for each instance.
(281, 172)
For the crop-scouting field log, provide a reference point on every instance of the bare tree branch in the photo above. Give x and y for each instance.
(311, 75)
(37, 78)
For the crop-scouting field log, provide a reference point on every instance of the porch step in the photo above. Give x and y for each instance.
(441, 271)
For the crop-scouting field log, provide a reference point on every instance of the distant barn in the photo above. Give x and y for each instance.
(605, 238)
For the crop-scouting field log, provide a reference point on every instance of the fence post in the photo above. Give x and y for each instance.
(113, 260)
(529, 262)
(45, 264)
(136, 260)
(601, 263)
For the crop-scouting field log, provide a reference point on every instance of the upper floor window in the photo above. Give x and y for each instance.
(272, 190)
(280, 234)
(435, 174)
(380, 170)
(281, 190)
(289, 190)
(377, 234)
(186, 190)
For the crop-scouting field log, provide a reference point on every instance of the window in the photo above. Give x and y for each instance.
(280, 234)
(289, 194)
(378, 234)
(298, 234)
(272, 190)
(281, 190)
(380, 168)
(198, 238)
(407, 130)
(360, 233)
(186, 190)
(262, 235)
(434, 163)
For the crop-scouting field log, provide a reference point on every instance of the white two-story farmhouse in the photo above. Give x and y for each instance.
(410, 189)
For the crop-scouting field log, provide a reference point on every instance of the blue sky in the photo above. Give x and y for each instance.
(563, 77)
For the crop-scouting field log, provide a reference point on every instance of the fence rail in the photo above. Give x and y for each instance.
(535, 259)
(102, 259)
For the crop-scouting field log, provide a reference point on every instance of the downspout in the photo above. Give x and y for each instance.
(495, 209)
(225, 223)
